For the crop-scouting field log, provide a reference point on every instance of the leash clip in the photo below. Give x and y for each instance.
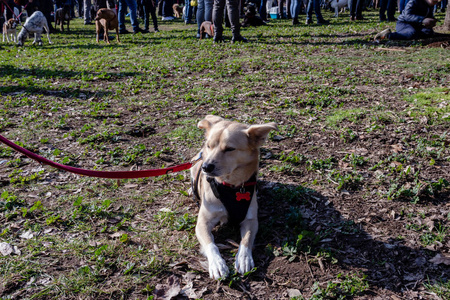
(197, 158)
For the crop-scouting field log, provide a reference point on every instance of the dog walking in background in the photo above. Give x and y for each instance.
(339, 5)
(177, 11)
(105, 20)
(224, 182)
(63, 15)
(207, 27)
(10, 29)
(35, 24)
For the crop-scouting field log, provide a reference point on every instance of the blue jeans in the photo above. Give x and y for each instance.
(389, 7)
(356, 8)
(295, 8)
(406, 31)
(187, 11)
(123, 9)
(149, 9)
(167, 9)
(263, 10)
(204, 12)
(402, 5)
(314, 5)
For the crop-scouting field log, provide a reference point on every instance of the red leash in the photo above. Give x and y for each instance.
(100, 174)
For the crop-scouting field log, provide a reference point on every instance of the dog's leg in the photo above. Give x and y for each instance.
(117, 34)
(5, 34)
(105, 33)
(336, 12)
(249, 227)
(48, 32)
(217, 266)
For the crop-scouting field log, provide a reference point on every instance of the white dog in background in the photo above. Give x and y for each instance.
(338, 5)
(36, 23)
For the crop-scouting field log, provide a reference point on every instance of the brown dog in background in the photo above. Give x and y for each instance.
(61, 16)
(106, 19)
(208, 28)
(177, 11)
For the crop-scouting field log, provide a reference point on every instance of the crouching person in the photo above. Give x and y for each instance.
(415, 22)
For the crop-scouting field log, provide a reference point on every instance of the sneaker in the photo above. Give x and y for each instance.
(382, 35)
(392, 19)
(308, 22)
(170, 18)
(198, 35)
(88, 23)
(295, 21)
(156, 30)
(323, 22)
(359, 18)
(123, 31)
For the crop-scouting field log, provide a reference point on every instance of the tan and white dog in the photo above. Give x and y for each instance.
(225, 183)
(10, 29)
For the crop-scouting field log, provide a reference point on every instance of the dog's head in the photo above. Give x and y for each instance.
(66, 11)
(105, 13)
(232, 149)
(251, 9)
(21, 37)
(12, 23)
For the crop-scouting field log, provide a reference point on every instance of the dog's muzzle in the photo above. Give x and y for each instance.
(208, 168)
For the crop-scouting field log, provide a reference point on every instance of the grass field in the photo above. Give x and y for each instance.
(353, 191)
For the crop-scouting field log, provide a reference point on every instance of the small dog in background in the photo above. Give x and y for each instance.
(10, 29)
(208, 28)
(250, 18)
(106, 19)
(177, 11)
(338, 5)
(36, 24)
(63, 15)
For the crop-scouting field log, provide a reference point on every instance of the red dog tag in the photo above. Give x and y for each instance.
(243, 196)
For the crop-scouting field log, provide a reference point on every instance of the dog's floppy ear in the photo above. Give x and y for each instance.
(257, 134)
(208, 122)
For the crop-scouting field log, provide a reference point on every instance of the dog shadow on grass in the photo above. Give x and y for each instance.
(304, 239)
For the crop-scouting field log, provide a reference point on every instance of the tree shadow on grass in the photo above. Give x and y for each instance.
(14, 72)
(300, 225)
(25, 85)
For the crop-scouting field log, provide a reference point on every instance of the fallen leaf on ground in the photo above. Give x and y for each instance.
(440, 259)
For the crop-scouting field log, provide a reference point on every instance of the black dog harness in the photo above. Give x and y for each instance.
(235, 199)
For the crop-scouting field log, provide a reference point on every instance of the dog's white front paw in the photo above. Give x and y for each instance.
(217, 266)
(244, 260)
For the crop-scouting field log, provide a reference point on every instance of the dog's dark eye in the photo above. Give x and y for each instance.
(229, 149)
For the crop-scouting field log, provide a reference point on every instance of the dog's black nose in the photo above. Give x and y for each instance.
(208, 168)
